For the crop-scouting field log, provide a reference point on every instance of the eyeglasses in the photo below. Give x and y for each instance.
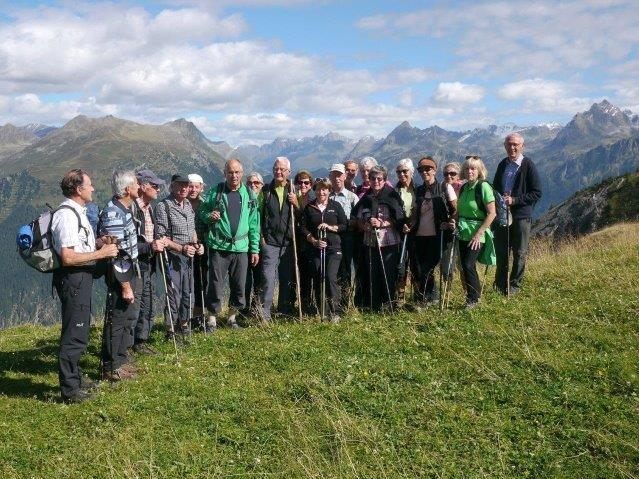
(304, 182)
(256, 182)
(377, 178)
(425, 168)
(450, 173)
(403, 172)
(280, 169)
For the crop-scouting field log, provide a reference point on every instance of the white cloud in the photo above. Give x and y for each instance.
(514, 38)
(539, 95)
(457, 93)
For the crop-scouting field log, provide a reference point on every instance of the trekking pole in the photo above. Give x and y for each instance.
(321, 234)
(381, 260)
(370, 276)
(202, 293)
(508, 252)
(451, 263)
(191, 297)
(297, 269)
(108, 321)
(401, 268)
(163, 258)
(441, 270)
(447, 282)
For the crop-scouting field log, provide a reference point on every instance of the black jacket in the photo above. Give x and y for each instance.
(387, 196)
(440, 208)
(526, 189)
(277, 229)
(333, 215)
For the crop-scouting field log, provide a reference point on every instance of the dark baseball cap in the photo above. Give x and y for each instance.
(178, 178)
(147, 176)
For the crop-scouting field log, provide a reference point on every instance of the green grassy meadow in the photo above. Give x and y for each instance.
(542, 385)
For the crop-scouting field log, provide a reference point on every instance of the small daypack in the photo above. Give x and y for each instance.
(35, 244)
(500, 204)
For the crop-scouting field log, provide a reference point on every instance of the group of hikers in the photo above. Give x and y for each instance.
(329, 243)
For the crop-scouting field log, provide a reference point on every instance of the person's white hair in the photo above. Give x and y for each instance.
(282, 159)
(120, 180)
(406, 163)
(514, 136)
(255, 174)
(367, 162)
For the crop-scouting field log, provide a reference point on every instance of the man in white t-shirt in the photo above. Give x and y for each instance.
(74, 241)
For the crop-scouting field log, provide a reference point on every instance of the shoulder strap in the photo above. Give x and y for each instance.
(66, 207)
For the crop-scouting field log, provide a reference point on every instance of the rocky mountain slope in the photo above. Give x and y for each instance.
(611, 201)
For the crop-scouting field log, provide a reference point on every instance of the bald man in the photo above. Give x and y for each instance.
(231, 213)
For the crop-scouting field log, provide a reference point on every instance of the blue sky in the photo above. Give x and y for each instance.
(247, 71)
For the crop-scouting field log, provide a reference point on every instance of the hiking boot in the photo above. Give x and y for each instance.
(471, 305)
(232, 322)
(87, 384)
(129, 369)
(77, 397)
(143, 348)
(211, 324)
(111, 376)
(335, 319)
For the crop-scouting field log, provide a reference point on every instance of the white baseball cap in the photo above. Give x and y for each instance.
(338, 167)
(195, 178)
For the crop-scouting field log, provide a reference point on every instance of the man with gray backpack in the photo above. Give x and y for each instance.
(74, 243)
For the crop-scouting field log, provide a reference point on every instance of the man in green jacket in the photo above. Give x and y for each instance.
(233, 238)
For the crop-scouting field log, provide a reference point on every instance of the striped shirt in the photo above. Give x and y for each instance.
(175, 220)
(117, 220)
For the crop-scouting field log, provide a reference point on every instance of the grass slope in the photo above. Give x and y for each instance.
(544, 385)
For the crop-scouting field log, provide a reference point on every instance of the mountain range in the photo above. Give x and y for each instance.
(596, 144)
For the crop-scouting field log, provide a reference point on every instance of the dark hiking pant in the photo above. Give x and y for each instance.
(116, 335)
(144, 324)
(519, 232)
(468, 259)
(332, 261)
(371, 275)
(227, 264)
(427, 257)
(180, 274)
(277, 262)
(74, 288)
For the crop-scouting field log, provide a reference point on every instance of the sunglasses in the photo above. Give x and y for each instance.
(424, 168)
(403, 172)
(317, 180)
(304, 182)
(377, 178)
(473, 157)
(450, 173)
(256, 182)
